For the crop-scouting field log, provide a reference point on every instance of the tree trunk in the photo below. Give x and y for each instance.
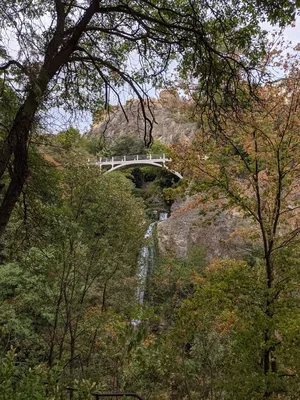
(269, 366)
(16, 144)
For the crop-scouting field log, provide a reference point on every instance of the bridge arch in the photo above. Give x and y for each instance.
(144, 162)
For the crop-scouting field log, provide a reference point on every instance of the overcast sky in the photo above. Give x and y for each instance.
(291, 33)
(59, 120)
(84, 120)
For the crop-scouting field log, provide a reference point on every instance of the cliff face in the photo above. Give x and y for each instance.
(186, 227)
(170, 126)
(220, 235)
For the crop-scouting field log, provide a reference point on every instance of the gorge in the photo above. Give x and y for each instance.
(187, 225)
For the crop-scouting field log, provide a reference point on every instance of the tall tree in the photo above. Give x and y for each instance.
(253, 165)
(74, 52)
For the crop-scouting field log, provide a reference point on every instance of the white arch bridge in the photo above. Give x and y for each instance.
(155, 160)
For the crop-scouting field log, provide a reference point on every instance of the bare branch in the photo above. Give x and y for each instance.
(5, 66)
(126, 78)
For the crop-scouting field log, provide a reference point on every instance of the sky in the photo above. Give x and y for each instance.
(59, 120)
(293, 34)
(290, 34)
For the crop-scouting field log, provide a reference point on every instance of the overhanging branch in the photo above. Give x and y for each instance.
(148, 123)
(9, 63)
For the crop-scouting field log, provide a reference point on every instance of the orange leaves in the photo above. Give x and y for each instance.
(251, 163)
(225, 322)
(150, 339)
(197, 278)
(217, 266)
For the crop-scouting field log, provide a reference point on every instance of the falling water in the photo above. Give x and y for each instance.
(147, 259)
(163, 216)
(146, 262)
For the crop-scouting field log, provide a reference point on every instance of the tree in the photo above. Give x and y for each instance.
(71, 263)
(72, 53)
(9, 103)
(223, 323)
(127, 145)
(252, 164)
(159, 147)
(69, 137)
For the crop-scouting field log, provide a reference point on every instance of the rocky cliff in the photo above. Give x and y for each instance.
(170, 123)
(187, 226)
(220, 235)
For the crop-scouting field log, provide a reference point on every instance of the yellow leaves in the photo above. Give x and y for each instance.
(150, 339)
(225, 322)
(93, 309)
(216, 266)
(197, 279)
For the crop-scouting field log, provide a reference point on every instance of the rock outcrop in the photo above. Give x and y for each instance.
(170, 124)
(220, 235)
(187, 226)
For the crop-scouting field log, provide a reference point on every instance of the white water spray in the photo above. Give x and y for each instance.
(147, 259)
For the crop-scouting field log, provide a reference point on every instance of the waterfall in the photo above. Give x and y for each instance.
(147, 258)
(146, 262)
(163, 216)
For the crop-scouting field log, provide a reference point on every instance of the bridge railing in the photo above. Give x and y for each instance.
(139, 157)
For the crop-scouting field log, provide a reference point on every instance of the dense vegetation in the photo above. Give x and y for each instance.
(71, 236)
(220, 329)
(74, 54)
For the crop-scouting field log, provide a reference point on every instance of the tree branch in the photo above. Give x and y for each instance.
(5, 66)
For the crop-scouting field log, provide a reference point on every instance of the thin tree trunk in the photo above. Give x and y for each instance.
(269, 366)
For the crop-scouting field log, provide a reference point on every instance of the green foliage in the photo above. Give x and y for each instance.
(128, 145)
(211, 341)
(68, 138)
(158, 147)
(250, 165)
(22, 382)
(228, 308)
(75, 257)
(96, 145)
(281, 12)
(68, 276)
(172, 281)
(68, 293)
(9, 103)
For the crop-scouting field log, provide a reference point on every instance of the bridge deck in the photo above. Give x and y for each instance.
(158, 160)
(141, 158)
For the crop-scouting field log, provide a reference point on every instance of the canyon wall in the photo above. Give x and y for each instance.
(171, 125)
(187, 226)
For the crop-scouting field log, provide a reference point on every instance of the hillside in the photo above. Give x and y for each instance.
(170, 126)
